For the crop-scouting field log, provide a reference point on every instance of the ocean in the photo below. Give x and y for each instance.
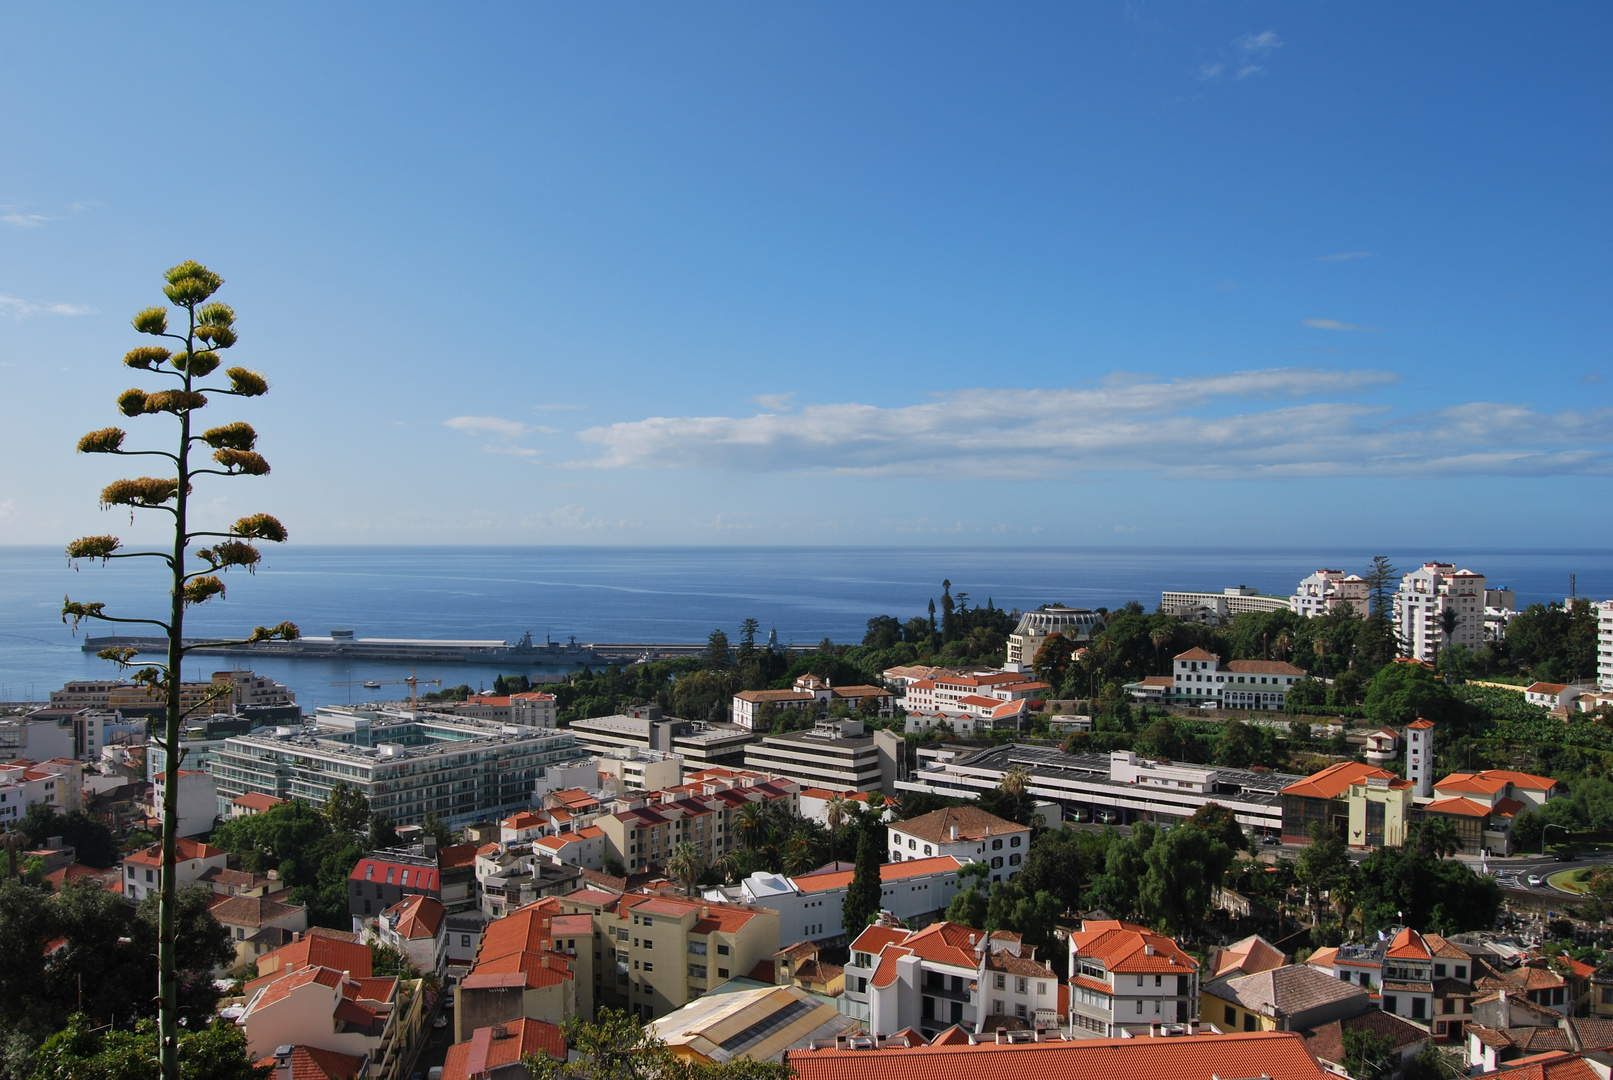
(648, 595)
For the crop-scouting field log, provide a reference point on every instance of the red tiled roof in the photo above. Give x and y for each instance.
(419, 877)
(875, 938)
(1408, 945)
(1419, 724)
(320, 950)
(1129, 949)
(419, 917)
(1195, 654)
(456, 855)
(1458, 805)
(1280, 1055)
(492, 1048)
(895, 871)
(252, 800)
(185, 851)
(972, 824)
(1262, 667)
(312, 1063)
(1489, 781)
(1552, 688)
(1333, 781)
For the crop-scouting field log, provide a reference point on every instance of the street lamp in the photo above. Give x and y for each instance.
(1545, 829)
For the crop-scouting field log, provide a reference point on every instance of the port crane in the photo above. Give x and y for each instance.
(413, 682)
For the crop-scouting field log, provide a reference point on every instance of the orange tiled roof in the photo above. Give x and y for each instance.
(1128, 949)
(318, 950)
(1458, 805)
(1333, 781)
(185, 851)
(1489, 781)
(1195, 654)
(419, 917)
(312, 1063)
(252, 800)
(1279, 1055)
(493, 1048)
(972, 824)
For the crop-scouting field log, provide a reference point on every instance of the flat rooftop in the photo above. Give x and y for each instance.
(1054, 764)
(638, 727)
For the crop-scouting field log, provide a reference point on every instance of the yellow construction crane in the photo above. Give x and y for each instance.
(413, 682)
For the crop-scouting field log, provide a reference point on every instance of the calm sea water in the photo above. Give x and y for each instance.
(651, 594)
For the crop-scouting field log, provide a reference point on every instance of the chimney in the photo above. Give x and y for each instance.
(879, 1040)
(1506, 1011)
(282, 1062)
(954, 832)
(1002, 1035)
(840, 1041)
(1154, 1030)
(1192, 1027)
(296, 935)
(1041, 1033)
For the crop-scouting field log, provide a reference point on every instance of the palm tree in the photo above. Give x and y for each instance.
(749, 825)
(1015, 780)
(835, 814)
(1160, 637)
(686, 865)
(1284, 643)
(1447, 622)
(1437, 836)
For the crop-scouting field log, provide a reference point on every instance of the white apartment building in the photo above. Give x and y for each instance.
(1124, 979)
(810, 906)
(966, 833)
(1425, 595)
(23, 783)
(1326, 591)
(1224, 604)
(1200, 678)
(946, 974)
(1035, 627)
(627, 771)
(835, 754)
(1604, 644)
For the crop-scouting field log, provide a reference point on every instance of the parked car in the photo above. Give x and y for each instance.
(1271, 840)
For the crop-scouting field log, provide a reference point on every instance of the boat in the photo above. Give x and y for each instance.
(371, 684)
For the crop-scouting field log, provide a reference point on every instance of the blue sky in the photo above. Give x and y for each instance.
(1171, 274)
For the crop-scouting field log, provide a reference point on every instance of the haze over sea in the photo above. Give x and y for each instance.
(676, 594)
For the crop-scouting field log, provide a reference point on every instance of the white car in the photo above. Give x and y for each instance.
(1534, 879)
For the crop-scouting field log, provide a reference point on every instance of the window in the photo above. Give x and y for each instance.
(1019, 1011)
(697, 971)
(722, 950)
(1419, 1008)
(996, 862)
(1231, 1017)
(464, 941)
(1391, 1003)
(997, 844)
(1014, 859)
(1020, 986)
(1248, 1021)
(1447, 1006)
(997, 1007)
(722, 973)
(1041, 989)
(926, 849)
(648, 966)
(912, 843)
(1015, 841)
(697, 948)
(148, 875)
(1439, 971)
(1002, 982)
(1461, 971)
(1139, 980)
(1139, 1008)
(648, 944)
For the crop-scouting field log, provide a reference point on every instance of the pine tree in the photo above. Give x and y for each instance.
(863, 896)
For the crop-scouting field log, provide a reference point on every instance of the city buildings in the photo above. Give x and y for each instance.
(528, 709)
(1200, 606)
(701, 745)
(417, 928)
(835, 754)
(1326, 591)
(256, 925)
(810, 691)
(498, 1052)
(965, 833)
(644, 832)
(1604, 645)
(377, 1018)
(946, 975)
(1291, 998)
(407, 765)
(1127, 979)
(1035, 627)
(142, 870)
(23, 783)
(810, 905)
(1422, 600)
(1200, 678)
(760, 1023)
(1118, 788)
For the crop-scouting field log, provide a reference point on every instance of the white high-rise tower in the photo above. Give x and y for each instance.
(1420, 758)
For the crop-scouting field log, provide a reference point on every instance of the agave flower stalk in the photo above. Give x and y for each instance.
(208, 329)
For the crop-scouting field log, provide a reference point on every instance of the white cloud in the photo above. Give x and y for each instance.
(1252, 69)
(1334, 324)
(1245, 425)
(20, 219)
(776, 402)
(17, 308)
(487, 425)
(1259, 43)
(1346, 256)
(1210, 71)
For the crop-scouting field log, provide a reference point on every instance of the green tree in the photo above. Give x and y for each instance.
(1436, 838)
(436, 828)
(25, 922)
(83, 1052)
(383, 834)
(208, 328)
(1185, 866)
(1325, 865)
(1160, 740)
(347, 810)
(1432, 895)
(1305, 694)
(686, 866)
(1051, 663)
(89, 837)
(861, 905)
(1057, 864)
(717, 656)
(1402, 693)
(1366, 1052)
(1031, 915)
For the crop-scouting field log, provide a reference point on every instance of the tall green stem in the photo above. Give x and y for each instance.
(167, 951)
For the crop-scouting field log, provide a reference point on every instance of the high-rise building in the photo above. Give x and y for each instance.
(1425, 595)
(1420, 758)
(1325, 591)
